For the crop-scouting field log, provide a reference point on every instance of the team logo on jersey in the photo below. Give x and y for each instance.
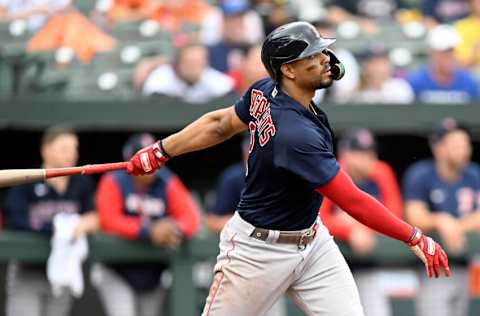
(145, 204)
(260, 110)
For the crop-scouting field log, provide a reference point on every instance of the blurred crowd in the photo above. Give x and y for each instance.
(438, 195)
(395, 51)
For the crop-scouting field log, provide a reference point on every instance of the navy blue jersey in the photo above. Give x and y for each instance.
(229, 188)
(290, 154)
(460, 198)
(32, 206)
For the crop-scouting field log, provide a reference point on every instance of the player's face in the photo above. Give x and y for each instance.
(192, 64)
(313, 72)
(62, 152)
(359, 162)
(456, 149)
(444, 61)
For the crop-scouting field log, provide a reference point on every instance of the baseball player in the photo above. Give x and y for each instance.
(32, 207)
(156, 208)
(357, 154)
(274, 242)
(442, 194)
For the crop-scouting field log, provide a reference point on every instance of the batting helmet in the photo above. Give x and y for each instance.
(295, 41)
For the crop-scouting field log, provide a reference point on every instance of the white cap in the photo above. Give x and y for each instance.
(442, 37)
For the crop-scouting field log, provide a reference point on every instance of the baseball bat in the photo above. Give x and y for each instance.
(11, 177)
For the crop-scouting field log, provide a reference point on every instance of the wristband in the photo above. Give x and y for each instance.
(162, 149)
(415, 238)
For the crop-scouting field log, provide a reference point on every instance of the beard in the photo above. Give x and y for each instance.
(322, 83)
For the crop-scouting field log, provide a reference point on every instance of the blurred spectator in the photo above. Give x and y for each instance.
(240, 29)
(443, 11)
(377, 83)
(443, 80)
(227, 194)
(278, 12)
(341, 91)
(127, 10)
(175, 15)
(68, 30)
(373, 9)
(156, 208)
(227, 16)
(442, 195)
(357, 152)
(251, 71)
(32, 207)
(189, 77)
(468, 50)
(35, 12)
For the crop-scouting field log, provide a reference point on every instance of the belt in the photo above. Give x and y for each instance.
(301, 239)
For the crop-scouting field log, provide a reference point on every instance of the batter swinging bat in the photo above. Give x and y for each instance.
(12, 177)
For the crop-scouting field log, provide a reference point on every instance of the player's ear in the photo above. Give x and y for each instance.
(288, 71)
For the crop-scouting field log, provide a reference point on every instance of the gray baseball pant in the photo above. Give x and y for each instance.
(29, 293)
(250, 275)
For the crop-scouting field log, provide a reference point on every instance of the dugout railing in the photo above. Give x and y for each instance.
(183, 298)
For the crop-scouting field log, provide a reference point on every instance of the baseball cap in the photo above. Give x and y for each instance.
(234, 7)
(442, 37)
(372, 51)
(444, 127)
(358, 139)
(135, 143)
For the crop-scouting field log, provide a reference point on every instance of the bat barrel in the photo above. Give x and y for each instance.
(20, 176)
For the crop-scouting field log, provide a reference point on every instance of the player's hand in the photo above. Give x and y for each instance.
(165, 233)
(361, 240)
(430, 252)
(451, 233)
(147, 160)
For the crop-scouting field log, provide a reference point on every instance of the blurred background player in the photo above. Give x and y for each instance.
(357, 153)
(32, 207)
(155, 208)
(227, 194)
(442, 195)
(443, 80)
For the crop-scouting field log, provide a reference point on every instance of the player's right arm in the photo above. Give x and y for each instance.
(211, 129)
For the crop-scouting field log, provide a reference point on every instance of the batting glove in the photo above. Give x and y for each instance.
(430, 252)
(147, 160)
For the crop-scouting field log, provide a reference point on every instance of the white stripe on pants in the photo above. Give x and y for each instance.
(250, 275)
(29, 293)
(120, 299)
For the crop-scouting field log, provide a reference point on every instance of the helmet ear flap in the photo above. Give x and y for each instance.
(336, 66)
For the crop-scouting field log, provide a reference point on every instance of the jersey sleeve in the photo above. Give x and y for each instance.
(16, 209)
(387, 182)
(181, 207)
(88, 195)
(242, 107)
(110, 210)
(306, 156)
(415, 187)
(336, 225)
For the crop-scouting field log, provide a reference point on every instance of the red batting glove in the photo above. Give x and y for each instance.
(147, 160)
(430, 252)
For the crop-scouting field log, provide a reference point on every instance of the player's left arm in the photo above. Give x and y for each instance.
(367, 210)
(471, 222)
(211, 129)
